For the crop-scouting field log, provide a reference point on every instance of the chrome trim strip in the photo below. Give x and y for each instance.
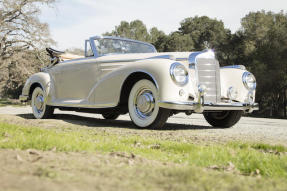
(117, 61)
(162, 57)
(108, 64)
(235, 67)
(109, 69)
(209, 106)
(170, 57)
(93, 59)
(181, 59)
(96, 106)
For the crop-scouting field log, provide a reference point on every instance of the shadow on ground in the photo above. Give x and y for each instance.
(97, 122)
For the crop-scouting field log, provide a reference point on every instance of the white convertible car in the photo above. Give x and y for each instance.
(118, 76)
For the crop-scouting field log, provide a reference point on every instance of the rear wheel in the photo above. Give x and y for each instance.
(223, 119)
(111, 116)
(143, 106)
(39, 107)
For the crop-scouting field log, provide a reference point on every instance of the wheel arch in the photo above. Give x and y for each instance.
(130, 82)
(40, 79)
(33, 87)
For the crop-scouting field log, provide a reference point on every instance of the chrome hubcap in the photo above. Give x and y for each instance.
(144, 103)
(39, 103)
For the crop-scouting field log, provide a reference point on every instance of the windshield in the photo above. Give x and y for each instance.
(106, 46)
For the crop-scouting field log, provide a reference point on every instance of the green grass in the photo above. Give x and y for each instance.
(247, 158)
(7, 102)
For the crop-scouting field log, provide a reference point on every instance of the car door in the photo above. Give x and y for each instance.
(74, 79)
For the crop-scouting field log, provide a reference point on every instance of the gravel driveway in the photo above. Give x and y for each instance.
(190, 128)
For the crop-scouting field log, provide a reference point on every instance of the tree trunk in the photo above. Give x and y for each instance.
(285, 103)
(271, 108)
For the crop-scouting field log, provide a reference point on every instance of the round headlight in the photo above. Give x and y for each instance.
(249, 81)
(179, 74)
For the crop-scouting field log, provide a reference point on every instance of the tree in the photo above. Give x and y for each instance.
(21, 66)
(204, 31)
(155, 34)
(20, 28)
(158, 39)
(265, 49)
(22, 39)
(137, 30)
(178, 42)
(133, 30)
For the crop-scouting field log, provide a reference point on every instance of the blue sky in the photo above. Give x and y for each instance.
(73, 21)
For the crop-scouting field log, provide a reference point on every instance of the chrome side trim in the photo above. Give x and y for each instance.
(181, 59)
(78, 105)
(249, 107)
(170, 57)
(93, 59)
(162, 57)
(235, 67)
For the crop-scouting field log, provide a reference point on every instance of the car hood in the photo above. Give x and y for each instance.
(142, 56)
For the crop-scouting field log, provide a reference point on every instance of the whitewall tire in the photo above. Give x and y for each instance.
(143, 106)
(39, 107)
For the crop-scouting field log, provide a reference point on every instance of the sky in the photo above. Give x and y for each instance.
(73, 21)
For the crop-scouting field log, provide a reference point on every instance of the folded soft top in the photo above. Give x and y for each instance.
(57, 56)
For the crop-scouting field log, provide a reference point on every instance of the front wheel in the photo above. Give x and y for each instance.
(143, 106)
(223, 119)
(39, 107)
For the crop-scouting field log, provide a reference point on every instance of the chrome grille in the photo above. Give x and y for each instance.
(208, 74)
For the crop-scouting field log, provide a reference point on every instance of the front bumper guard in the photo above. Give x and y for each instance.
(199, 108)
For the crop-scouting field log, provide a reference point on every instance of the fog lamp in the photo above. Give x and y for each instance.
(232, 93)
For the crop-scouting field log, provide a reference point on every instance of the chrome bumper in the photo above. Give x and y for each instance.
(199, 108)
(23, 98)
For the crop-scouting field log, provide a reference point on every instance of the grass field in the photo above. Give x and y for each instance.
(9, 102)
(229, 166)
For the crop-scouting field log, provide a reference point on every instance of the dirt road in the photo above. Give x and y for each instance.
(190, 128)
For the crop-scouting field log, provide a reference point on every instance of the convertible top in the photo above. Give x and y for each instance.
(58, 56)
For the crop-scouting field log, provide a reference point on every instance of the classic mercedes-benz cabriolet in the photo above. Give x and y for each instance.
(118, 76)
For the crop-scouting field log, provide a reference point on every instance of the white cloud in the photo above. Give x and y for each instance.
(73, 21)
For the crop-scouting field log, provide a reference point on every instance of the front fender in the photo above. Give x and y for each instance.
(110, 85)
(41, 78)
(232, 77)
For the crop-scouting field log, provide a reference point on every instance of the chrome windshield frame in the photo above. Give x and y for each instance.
(96, 54)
